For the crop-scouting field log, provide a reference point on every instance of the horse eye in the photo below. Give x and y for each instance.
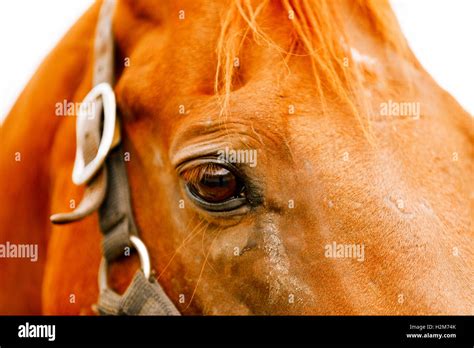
(213, 183)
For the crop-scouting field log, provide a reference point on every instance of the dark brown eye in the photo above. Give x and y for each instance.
(213, 183)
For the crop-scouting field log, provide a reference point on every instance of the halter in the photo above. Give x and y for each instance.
(100, 165)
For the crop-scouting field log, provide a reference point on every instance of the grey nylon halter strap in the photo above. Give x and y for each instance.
(100, 165)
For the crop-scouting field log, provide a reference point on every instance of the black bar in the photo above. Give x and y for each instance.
(241, 330)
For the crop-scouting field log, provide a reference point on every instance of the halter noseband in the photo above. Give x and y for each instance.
(100, 165)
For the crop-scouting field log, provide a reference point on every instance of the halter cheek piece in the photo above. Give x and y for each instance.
(100, 165)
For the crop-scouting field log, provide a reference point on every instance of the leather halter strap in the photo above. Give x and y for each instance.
(100, 165)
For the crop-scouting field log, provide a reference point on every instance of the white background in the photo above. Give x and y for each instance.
(440, 32)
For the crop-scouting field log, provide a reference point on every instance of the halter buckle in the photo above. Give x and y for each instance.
(89, 125)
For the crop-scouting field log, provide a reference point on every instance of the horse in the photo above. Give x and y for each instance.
(358, 202)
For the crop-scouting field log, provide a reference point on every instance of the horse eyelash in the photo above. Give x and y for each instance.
(196, 174)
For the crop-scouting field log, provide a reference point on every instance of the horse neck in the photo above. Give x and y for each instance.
(28, 137)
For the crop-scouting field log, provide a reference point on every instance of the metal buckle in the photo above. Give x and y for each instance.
(145, 263)
(82, 172)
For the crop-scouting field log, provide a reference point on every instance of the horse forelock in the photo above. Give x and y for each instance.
(318, 32)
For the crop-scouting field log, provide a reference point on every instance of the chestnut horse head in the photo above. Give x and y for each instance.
(284, 157)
